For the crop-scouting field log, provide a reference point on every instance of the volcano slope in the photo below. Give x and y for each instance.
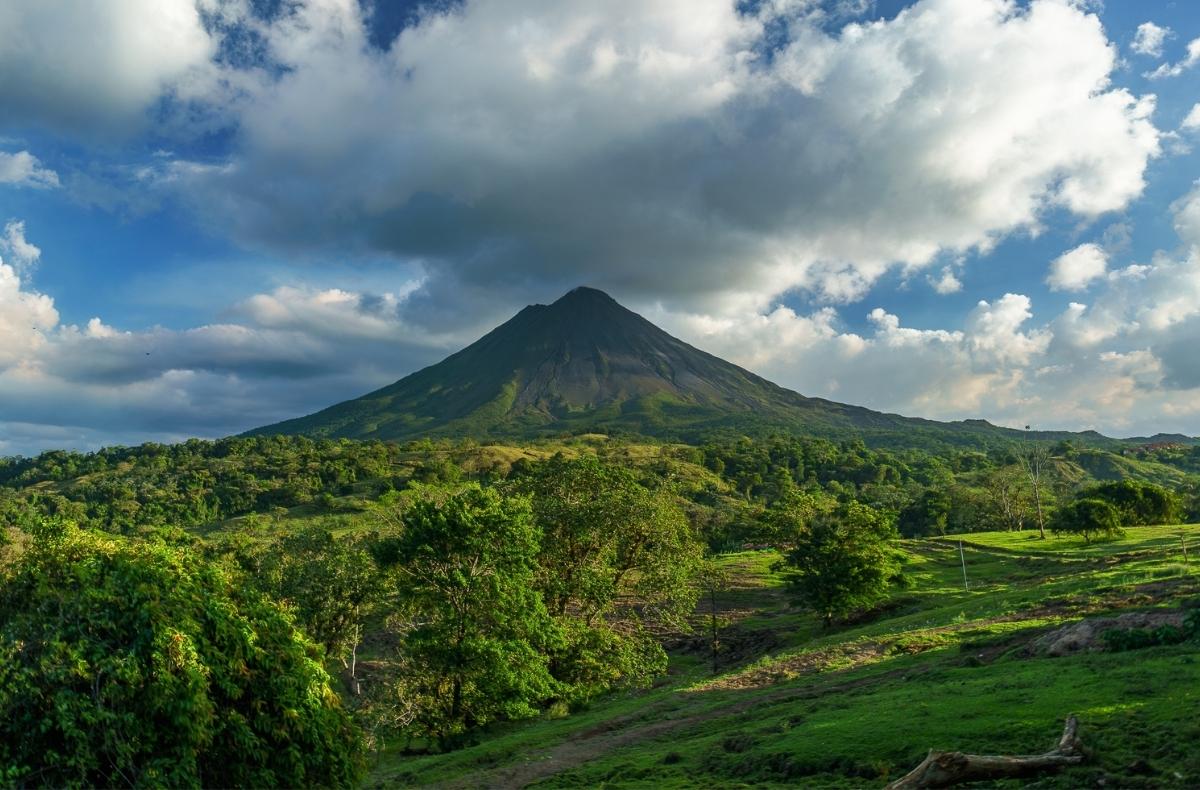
(586, 364)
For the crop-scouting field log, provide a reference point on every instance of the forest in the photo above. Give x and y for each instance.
(271, 610)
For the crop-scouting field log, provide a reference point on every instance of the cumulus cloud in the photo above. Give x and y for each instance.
(24, 169)
(947, 282)
(1149, 39)
(22, 253)
(1175, 69)
(1075, 269)
(664, 150)
(1191, 121)
(83, 68)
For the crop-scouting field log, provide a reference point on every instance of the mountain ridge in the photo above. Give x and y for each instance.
(586, 363)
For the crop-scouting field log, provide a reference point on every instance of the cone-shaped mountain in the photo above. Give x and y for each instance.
(585, 363)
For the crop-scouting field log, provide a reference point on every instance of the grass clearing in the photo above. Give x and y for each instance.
(861, 703)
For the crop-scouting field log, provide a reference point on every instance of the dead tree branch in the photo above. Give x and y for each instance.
(944, 769)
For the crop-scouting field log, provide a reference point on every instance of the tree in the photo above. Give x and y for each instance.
(1034, 459)
(1139, 503)
(1009, 503)
(927, 514)
(331, 584)
(605, 535)
(788, 517)
(127, 662)
(478, 629)
(1089, 517)
(843, 561)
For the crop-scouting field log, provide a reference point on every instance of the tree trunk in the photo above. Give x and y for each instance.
(1037, 498)
(944, 769)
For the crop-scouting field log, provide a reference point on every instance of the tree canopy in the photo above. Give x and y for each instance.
(843, 561)
(138, 662)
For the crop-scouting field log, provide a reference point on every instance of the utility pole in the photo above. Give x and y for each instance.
(963, 557)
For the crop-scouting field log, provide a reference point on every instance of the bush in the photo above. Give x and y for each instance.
(843, 561)
(1090, 518)
(129, 662)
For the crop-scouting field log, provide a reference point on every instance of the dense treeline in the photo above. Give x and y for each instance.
(199, 483)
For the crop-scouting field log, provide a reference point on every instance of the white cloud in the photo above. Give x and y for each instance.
(24, 169)
(86, 68)
(653, 147)
(1186, 212)
(947, 282)
(1191, 121)
(23, 254)
(1075, 269)
(1149, 39)
(1175, 69)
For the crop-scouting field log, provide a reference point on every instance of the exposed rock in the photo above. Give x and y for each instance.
(1085, 635)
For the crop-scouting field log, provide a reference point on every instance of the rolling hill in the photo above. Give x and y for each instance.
(585, 363)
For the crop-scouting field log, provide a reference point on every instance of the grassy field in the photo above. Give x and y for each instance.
(943, 665)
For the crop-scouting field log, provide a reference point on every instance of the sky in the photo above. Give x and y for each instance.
(216, 214)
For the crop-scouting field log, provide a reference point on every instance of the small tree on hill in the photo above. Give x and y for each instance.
(1035, 458)
(1089, 518)
(844, 561)
(1139, 503)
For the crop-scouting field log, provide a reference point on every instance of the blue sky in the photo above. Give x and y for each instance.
(220, 213)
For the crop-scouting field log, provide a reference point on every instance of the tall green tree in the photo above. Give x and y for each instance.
(478, 630)
(139, 663)
(605, 536)
(332, 584)
(845, 560)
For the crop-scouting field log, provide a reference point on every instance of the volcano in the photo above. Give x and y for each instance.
(587, 364)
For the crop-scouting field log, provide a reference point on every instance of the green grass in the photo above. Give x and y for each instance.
(857, 705)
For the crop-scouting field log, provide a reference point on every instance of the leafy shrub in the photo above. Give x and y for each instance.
(129, 662)
(843, 561)
(1089, 518)
(1139, 503)
(1119, 640)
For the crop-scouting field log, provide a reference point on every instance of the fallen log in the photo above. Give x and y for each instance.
(944, 769)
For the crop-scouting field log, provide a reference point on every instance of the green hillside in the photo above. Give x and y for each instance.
(860, 705)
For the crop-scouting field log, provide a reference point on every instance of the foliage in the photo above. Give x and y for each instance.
(1140, 504)
(603, 535)
(128, 662)
(331, 584)
(473, 649)
(926, 515)
(844, 561)
(788, 517)
(1089, 518)
(1119, 639)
